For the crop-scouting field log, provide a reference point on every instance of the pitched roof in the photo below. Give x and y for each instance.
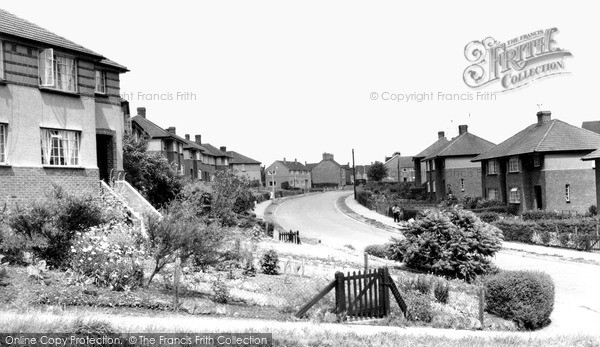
(19, 27)
(310, 166)
(214, 151)
(552, 136)
(592, 126)
(592, 156)
(153, 130)
(433, 148)
(294, 165)
(193, 145)
(463, 145)
(404, 161)
(237, 158)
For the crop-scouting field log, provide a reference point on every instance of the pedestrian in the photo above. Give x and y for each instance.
(396, 213)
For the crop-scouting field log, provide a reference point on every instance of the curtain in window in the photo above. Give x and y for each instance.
(70, 147)
(71, 75)
(46, 137)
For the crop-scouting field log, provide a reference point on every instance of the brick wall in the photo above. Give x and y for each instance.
(327, 172)
(25, 184)
(471, 180)
(583, 192)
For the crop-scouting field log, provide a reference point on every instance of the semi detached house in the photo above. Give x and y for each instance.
(61, 116)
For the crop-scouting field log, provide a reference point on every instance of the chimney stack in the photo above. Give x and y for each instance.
(295, 160)
(283, 158)
(171, 130)
(544, 117)
(462, 129)
(441, 134)
(141, 111)
(327, 156)
(187, 137)
(223, 149)
(198, 139)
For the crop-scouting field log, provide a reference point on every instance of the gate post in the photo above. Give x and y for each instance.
(384, 298)
(340, 294)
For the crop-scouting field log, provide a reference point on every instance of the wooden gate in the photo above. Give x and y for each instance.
(290, 237)
(361, 295)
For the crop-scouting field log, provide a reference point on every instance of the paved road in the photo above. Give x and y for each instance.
(577, 304)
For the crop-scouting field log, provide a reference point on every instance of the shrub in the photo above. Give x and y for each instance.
(364, 197)
(536, 215)
(110, 256)
(269, 262)
(593, 210)
(219, 287)
(379, 251)
(408, 214)
(48, 226)
(452, 243)
(522, 296)
(418, 307)
(489, 217)
(249, 269)
(441, 291)
(350, 247)
(3, 272)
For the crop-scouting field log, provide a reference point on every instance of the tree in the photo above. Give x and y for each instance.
(377, 172)
(150, 173)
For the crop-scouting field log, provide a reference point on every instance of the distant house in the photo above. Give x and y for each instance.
(295, 173)
(327, 172)
(420, 169)
(540, 167)
(592, 126)
(245, 166)
(449, 169)
(400, 168)
(166, 142)
(362, 172)
(61, 116)
(203, 159)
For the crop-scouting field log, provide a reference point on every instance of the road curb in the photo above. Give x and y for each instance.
(344, 208)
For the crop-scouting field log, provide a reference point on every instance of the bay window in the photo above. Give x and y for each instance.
(60, 147)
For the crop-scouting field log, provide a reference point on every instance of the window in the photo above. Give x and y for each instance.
(513, 164)
(492, 167)
(515, 196)
(492, 194)
(57, 71)
(200, 174)
(100, 82)
(568, 193)
(1, 61)
(243, 167)
(60, 147)
(3, 143)
(462, 184)
(536, 161)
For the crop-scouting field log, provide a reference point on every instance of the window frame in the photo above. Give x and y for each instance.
(511, 161)
(537, 160)
(514, 199)
(55, 151)
(2, 78)
(492, 164)
(568, 193)
(462, 184)
(3, 143)
(495, 190)
(103, 77)
(48, 71)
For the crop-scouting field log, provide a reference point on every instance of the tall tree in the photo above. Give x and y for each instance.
(377, 172)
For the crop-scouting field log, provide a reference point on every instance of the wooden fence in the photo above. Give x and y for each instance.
(361, 295)
(290, 237)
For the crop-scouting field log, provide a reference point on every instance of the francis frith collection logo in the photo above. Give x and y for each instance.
(516, 62)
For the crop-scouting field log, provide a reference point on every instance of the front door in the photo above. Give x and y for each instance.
(538, 197)
(103, 153)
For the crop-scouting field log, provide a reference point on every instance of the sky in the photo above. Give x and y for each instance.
(282, 79)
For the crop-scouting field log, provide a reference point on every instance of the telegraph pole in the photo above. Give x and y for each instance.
(354, 173)
(398, 171)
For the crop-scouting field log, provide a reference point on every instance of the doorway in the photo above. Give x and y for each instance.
(104, 153)
(538, 197)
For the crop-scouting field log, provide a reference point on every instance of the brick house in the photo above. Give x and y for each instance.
(449, 169)
(61, 115)
(595, 156)
(400, 168)
(327, 172)
(540, 167)
(203, 159)
(245, 166)
(293, 172)
(420, 170)
(162, 141)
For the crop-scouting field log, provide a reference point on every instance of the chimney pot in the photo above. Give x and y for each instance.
(462, 129)
(187, 137)
(198, 139)
(141, 111)
(171, 130)
(441, 134)
(223, 149)
(327, 156)
(283, 158)
(544, 117)
(295, 160)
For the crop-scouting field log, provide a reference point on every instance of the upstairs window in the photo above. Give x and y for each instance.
(568, 193)
(60, 147)
(513, 164)
(537, 161)
(3, 143)
(100, 82)
(57, 71)
(1, 61)
(492, 167)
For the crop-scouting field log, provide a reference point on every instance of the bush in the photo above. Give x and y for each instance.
(537, 215)
(489, 217)
(516, 229)
(109, 256)
(364, 198)
(379, 251)
(47, 227)
(593, 210)
(269, 263)
(452, 243)
(418, 307)
(441, 291)
(522, 296)
(222, 295)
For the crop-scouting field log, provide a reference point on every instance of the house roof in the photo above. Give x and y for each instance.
(463, 145)
(193, 145)
(552, 136)
(153, 130)
(214, 151)
(237, 158)
(433, 148)
(404, 161)
(21, 28)
(294, 165)
(592, 126)
(592, 156)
